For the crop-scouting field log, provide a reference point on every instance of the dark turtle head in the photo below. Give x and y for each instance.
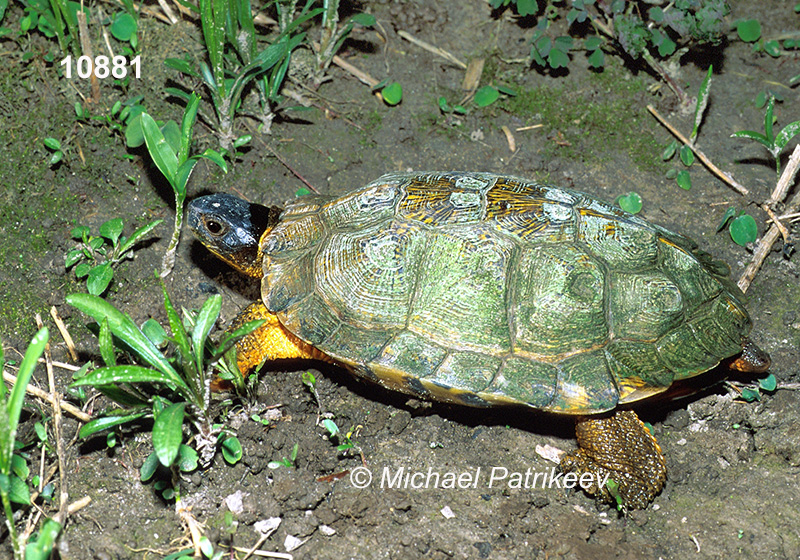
(232, 228)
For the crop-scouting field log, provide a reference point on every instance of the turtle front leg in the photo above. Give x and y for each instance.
(621, 448)
(271, 341)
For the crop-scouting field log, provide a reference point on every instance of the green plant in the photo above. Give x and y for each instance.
(686, 152)
(630, 202)
(54, 146)
(752, 392)
(97, 255)
(169, 147)
(774, 143)
(54, 18)
(125, 26)
(118, 118)
(636, 30)
(345, 441)
(185, 377)
(446, 108)
(392, 93)
(230, 22)
(332, 37)
(523, 7)
(12, 485)
(284, 462)
(741, 226)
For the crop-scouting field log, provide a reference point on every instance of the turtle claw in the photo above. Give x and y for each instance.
(619, 449)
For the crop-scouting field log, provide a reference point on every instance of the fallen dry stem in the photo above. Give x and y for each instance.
(45, 396)
(62, 328)
(765, 245)
(63, 503)
(431, 48)
(726, 177)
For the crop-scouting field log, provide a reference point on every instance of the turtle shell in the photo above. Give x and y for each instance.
(483, 289)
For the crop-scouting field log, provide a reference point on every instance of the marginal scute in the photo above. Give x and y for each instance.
(349, 340)
(637, 370)
(287, 281)
(311, 319)
(584, 385)
(410, 352)
(527, 381)
(634, 360)
(721, 326)
(466, 370)
(679, 351)
(300, 234)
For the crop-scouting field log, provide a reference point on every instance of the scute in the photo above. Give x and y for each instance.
(479, 288)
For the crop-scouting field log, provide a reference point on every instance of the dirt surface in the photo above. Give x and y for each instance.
(732, 466)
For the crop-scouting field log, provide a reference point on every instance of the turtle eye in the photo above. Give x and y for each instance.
(215, 228)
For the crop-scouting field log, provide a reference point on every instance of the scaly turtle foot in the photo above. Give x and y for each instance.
(621, 448)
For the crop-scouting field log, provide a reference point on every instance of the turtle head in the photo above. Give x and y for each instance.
(232, 228)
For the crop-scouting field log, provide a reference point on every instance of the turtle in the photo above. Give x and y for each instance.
(483, 289)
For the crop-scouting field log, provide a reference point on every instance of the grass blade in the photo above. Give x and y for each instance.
(108, 422)
(702, 102)
(753, 135)
(17, 397)
(136, 235)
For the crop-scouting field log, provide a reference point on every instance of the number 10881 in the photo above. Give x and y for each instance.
(104, 67)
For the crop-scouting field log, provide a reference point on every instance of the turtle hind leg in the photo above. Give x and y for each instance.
(621, 448)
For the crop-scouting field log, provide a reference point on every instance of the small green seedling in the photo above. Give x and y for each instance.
(685, 152)
(169, 147)
(752, 393)
(118, 118)
(774, 143)
(741, 226)
(284, 462)
(259, 419)
(345, 441)
(311, 383)
(96, 255)
(630, 202)
(613, 489)
(392, 93)
(55, 147)
(446, 108)
(125, 26)
(749, 30)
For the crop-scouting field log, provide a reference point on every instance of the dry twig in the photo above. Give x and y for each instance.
(45, 396)
(765, 245)
(735, 185)
(431, 48)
